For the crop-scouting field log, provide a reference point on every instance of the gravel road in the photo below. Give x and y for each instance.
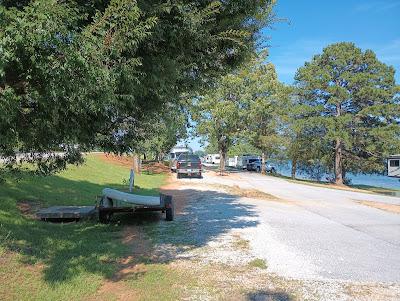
(316, 233)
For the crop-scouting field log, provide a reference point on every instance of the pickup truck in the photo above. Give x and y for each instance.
(189, 165)
(256, 166)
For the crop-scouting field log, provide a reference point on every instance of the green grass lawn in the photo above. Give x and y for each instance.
(44, 261)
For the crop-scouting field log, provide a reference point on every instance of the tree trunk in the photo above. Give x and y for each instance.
(222, 155)
(338, 154)
(294, 168)
(136, 164)
(338, 162)
(263, 159)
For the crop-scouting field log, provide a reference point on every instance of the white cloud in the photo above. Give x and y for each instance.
(377, 6)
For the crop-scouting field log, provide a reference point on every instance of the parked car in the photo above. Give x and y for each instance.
(189, 165)
(256, 166)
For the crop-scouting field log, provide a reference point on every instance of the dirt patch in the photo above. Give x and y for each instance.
(240, 243)
(365, 292)
(28, 208)
(179, 197)
(126, 161)
(247, 193)
(117, 160)
(114, 291)
(155, 167)
(128, 267)
(141, 252)
(230, 174)
(387, 207)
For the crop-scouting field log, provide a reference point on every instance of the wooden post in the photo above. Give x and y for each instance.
(136, 164)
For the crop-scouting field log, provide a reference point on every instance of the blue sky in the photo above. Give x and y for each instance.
(311, 25)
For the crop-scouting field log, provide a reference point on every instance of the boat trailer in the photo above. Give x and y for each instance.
(111, 201)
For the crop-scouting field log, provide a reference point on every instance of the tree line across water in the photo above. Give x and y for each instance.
(126, 76)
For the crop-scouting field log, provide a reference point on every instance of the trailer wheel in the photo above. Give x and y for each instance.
(169, 208)
(169, 214)
(104, 217)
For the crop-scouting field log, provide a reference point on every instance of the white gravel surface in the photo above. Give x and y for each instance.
(319, 236)
(321, 233)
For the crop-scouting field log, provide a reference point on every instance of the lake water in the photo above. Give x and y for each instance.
(360, 179)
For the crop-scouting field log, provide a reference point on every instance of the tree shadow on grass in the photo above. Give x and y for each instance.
(68, 250)
(65, 249)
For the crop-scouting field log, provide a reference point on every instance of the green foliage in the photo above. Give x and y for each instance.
(246, 111)
(241, 147)
(81, 74)
(200, 153)
(266, 102)
(258, 263)
(218, 115)
(347, 112)
(164, 132)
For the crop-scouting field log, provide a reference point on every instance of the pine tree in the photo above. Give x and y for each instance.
(351, 101)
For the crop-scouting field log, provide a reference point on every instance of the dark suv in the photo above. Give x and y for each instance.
(256, 166)
(189, 165)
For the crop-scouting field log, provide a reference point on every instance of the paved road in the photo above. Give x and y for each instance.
(320, 233)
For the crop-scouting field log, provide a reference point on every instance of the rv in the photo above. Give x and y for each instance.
(213, 158)
(393, 166)
(242, 161)
(175, 153)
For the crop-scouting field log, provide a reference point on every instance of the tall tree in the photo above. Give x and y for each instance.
(218, 116)
(266, 101)
(163, 133)
(77, 74)
(352, 100)
(249, 104)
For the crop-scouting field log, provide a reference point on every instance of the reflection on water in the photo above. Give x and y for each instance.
(390, 193)
(375, 180)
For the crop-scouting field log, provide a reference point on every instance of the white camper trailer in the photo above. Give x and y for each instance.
(241, 161)
(213, 158)
(393, 166)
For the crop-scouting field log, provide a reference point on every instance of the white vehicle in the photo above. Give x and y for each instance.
(393, 166)
(213, 158)
(242, 161)
(176, 152)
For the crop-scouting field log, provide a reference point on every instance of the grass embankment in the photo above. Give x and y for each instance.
(44, 261)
